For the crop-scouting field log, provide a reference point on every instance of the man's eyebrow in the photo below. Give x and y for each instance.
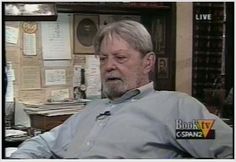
(122, 52)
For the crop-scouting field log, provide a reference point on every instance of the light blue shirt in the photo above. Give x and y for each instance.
(140, 124)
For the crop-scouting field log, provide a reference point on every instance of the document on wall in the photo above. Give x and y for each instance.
(30, 60)
(59, 94)
(29, 44)
(30, 77)
(10, 92)
(79, 60)
(10, 78)
(26, 96)
(58, 63)
(93, 77)
(10, 72)
(11, 34)
(77, 75)
(13, 55)
(55, 77)
(56, 38)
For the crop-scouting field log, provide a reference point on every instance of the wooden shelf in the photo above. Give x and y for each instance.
(208, 46)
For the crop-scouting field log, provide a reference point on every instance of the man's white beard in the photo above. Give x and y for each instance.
(115, 89)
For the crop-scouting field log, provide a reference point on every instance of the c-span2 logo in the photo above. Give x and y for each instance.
(196, 129)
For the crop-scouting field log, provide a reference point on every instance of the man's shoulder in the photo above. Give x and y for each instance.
(174, 97)
(171, 95)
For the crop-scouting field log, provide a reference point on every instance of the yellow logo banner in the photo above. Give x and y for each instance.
(205, 126)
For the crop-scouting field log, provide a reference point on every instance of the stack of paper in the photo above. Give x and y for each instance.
(15, 133)
(10, 150)
(54, 109)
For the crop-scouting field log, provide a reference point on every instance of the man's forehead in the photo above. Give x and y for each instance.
(115, 44)
(112, 37)
(118, 51)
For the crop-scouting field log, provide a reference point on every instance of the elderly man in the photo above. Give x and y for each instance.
(134, 121)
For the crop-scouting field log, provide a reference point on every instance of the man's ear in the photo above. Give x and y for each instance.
(149, 62)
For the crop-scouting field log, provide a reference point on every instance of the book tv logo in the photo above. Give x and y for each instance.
(196, 129)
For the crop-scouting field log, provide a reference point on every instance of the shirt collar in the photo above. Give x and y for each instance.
(135, 93)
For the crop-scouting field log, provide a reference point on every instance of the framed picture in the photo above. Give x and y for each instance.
(159, 34)
(85, 29)
(162, 70)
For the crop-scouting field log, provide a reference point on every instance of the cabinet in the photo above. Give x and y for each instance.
(208, 48)
(46, 123)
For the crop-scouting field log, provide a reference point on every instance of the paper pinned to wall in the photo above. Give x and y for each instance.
(11, 34)
(10, 92)
(13, 55)
(79, 60)
(77, 75)
(93, 76)
(10, 72)
(30, 60)
(59, 94)
(56, 38)
(30, 77)
(10, 79)
(58, 63)
(29, 44)
(55, 77)
(26, 96)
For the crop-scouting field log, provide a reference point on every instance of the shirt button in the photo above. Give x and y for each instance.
(132, 100)
(88, 143)
(101, 124)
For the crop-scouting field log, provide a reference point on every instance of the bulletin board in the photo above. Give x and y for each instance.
(41, 71)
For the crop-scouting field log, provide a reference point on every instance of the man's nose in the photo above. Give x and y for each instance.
(110, 64)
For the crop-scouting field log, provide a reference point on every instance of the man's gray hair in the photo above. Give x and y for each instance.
(134, 33)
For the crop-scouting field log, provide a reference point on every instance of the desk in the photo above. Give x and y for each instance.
(14, 137)
(48, 116)
(15, 141)
(46, 123)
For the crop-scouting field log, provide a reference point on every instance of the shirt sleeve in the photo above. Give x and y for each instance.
(221, 146)
(45, 145)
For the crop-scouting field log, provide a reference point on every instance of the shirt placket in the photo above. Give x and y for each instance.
(97, 128)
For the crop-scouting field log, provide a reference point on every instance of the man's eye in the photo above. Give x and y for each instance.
(102, 58)
(121, 57)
